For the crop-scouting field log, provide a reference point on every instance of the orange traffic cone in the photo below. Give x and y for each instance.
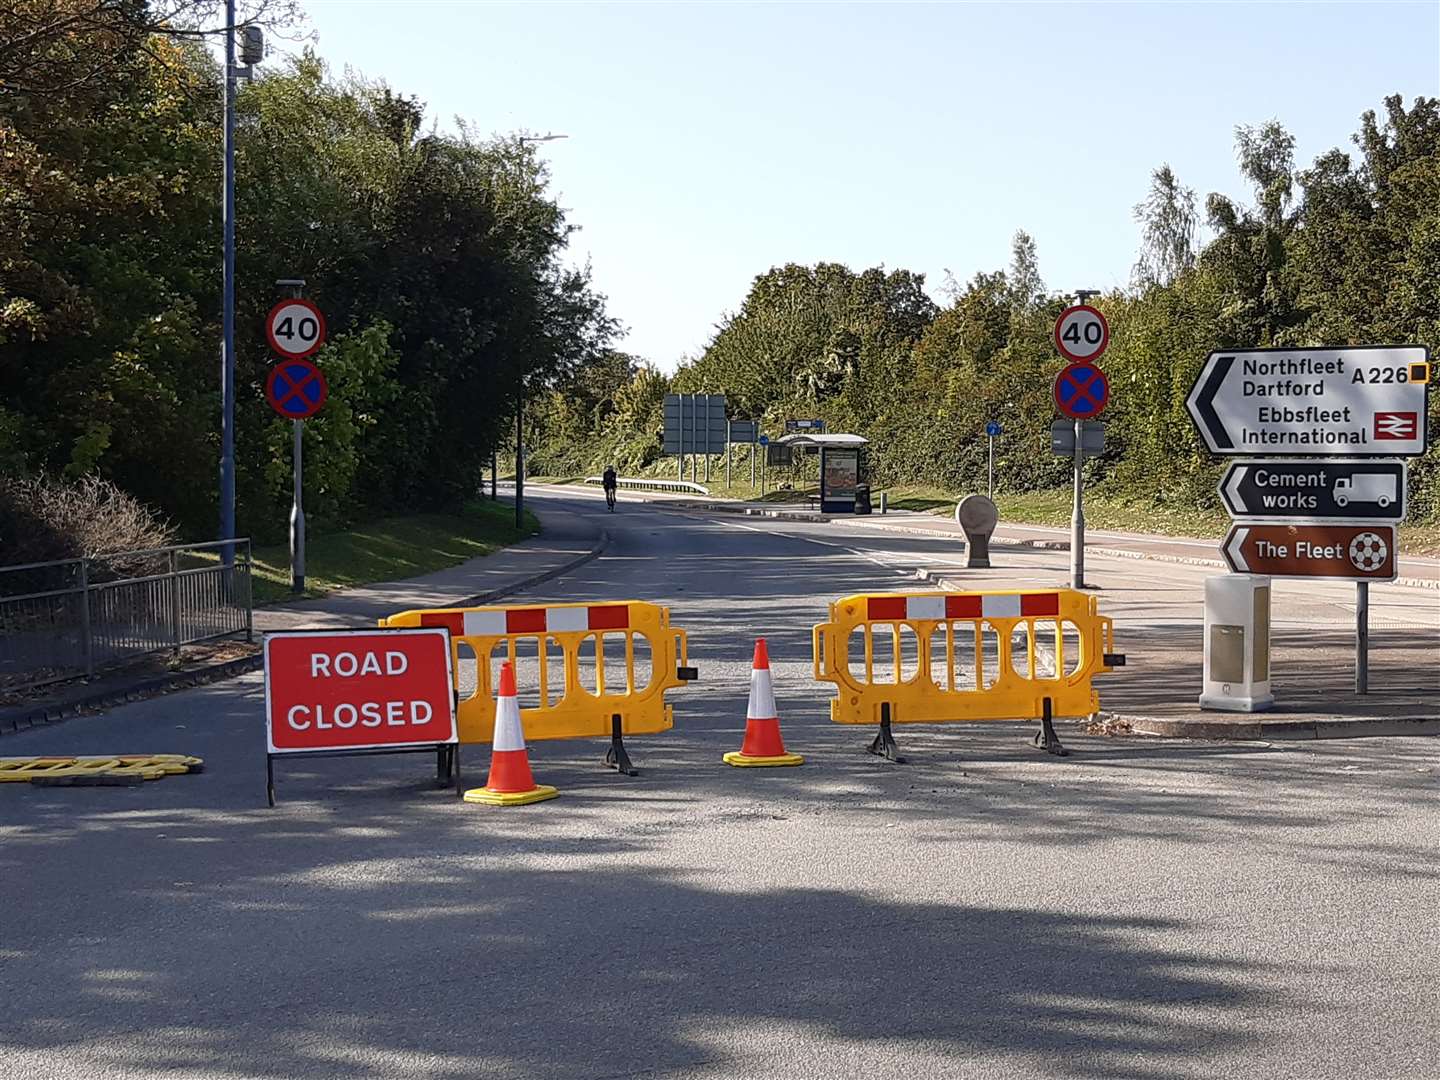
(511, 783)
(763, 744)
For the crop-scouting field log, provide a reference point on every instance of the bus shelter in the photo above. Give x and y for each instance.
(841, 466)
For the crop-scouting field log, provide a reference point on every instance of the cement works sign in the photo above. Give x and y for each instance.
(1355, 552)
(1315, 488)
(1367, 401)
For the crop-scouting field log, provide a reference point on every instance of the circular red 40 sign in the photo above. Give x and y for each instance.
(1081, 333)
(295, 328)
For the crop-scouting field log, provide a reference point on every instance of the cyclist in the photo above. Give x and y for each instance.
(609, 483)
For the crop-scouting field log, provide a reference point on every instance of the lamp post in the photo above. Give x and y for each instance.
(252, 52)
(520, 391)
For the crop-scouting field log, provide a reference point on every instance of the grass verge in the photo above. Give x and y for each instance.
(389, 549)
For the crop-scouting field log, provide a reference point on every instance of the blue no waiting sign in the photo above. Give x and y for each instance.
(1082, 391)
(296, 389)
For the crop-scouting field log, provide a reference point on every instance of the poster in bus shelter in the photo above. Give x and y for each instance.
(841, 475)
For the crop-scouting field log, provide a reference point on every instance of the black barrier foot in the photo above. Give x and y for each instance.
(883, 745)
(616, 757)
(1045, 738)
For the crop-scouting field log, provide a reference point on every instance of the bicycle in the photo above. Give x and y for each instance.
(610, 499)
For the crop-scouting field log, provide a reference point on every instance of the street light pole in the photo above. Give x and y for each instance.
(520, 458)
(227, 318)
(520, 392)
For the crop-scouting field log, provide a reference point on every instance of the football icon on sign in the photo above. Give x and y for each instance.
(1368, 552)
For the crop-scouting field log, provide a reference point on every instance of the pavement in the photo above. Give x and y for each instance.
(568, 541)
(1144, 908)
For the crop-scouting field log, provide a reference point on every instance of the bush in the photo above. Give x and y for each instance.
(43, 519)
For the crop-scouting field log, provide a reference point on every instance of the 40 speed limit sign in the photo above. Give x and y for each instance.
(295, 328)
(1081, 333)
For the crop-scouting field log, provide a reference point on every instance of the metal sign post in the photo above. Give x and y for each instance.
(1077, 513)
(296, 389)
(1362, 637)
(992, 429)
(1081, 392)
(297, 516)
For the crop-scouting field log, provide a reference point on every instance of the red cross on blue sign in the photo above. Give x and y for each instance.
(1082, 391)
(296, 389)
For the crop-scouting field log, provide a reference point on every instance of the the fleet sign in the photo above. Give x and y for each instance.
(1367, 401)
(1355, 552)
(332, 690)
(1315, 488)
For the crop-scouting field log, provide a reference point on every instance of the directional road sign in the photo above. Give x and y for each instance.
(296, 389)
(295, 328)
(1092, 438)
(1353, 552)
(764, 440)
(1371, 490)
(992, 429)
(1081, 333)
(1367, 401)
(1081, 391)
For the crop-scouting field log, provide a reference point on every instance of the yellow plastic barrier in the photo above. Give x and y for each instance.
(582, 667)
(947, 657)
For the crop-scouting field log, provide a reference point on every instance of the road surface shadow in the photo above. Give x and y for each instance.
(361, 963)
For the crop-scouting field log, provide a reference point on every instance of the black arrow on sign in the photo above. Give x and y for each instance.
(1205, 403)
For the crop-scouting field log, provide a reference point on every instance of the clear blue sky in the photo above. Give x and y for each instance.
(710, 142)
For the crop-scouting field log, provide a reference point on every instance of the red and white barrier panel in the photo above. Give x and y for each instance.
(498, 622)
(936, 607)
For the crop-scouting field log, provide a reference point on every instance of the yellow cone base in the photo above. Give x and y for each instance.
(539, 793)
(746, 761)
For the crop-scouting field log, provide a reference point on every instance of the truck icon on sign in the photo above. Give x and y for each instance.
(1365, 487)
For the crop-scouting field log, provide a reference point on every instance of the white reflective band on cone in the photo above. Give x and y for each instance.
(762, 697)
(508, 735)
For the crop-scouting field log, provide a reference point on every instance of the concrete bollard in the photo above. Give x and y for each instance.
(978, 516)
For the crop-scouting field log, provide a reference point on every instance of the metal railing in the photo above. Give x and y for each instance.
(61, 620)
(654, 484)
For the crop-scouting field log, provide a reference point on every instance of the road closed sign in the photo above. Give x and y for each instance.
(1363, 402)
(374, 689)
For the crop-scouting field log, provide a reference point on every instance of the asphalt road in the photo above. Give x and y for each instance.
(1140, 909)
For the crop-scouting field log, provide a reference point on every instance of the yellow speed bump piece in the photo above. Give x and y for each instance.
(172, 764)
(745, 761)
(540, 793)
(143, 766)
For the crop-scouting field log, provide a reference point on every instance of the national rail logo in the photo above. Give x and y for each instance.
(1396, 425)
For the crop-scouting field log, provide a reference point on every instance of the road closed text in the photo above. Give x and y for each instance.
(327, 690)
(371, 714)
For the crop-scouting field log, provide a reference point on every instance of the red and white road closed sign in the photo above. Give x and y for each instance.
(328, 690)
